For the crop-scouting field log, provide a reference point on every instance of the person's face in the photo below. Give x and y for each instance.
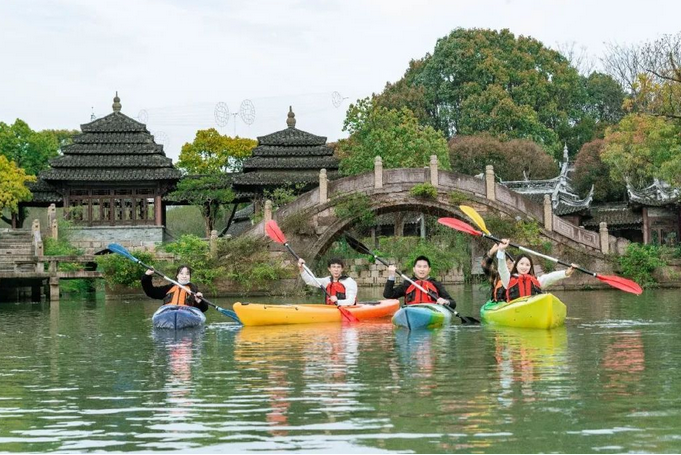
(421, 269)
(509, 264)
(336, 270)
(524, 266)
(184, 276)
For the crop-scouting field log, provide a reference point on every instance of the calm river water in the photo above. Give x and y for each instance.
(92, 376)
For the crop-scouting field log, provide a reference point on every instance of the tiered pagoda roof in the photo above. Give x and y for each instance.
(111, 149)
(657, 194)
(564, 199)
(618, 215)
(287, 157)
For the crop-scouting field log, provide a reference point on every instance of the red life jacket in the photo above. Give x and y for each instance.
(415, 295)
(522, 286)
(336, 288)
(177, 296)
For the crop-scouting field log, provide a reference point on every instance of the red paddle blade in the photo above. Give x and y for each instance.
(272, 230)
(621, 283)
(347, 316)
(459, 225)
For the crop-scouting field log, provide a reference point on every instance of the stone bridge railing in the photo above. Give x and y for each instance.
(391, 188)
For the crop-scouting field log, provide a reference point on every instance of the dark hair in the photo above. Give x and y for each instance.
(179, 269)
(515, 264)
(332, 261)
(422, 258)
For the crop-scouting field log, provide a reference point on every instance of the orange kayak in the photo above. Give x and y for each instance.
(265, 314)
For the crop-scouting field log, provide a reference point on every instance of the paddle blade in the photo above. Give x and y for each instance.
(118, 249)
(621, 283)
(459, 225)
(357, 245)
(347, 316)
(475, 216)
(272, 230)
(230, 314)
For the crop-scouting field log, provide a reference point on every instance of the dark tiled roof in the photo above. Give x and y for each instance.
(658, 194)
(289, 156)
(44, 193)
(114, 148)
(564, 200)
(291, 137)
(329, 163)
(617, 215)
(274, 178)
(276, 151)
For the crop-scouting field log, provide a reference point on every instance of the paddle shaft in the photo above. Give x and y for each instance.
(307, 270)
(179, 285)
(535, 253)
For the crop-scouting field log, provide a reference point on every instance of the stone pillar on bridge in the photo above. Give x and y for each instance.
(36, 238)
(434, 180)
(268, 211)
(489, 183)
(378, 172)
(548, 213)
(52, 221)
(323, 187)
(604, 237)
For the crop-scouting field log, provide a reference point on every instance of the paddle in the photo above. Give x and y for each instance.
(614, 281)
(116, 248)
(272, 230)
(362, 248)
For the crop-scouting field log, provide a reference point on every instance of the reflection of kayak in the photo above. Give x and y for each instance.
(545, 348)
(543, 311)
(177, 317)
(422, 315)
(264, 314)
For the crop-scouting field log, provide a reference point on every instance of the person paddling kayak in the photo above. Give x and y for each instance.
(521, 281)
(172, 294)
(341, 289)
(411, 293)
(489, 268)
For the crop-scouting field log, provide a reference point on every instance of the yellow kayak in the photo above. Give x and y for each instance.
(543, 311)
(264, 314)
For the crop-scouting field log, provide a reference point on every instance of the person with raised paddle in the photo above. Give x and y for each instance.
(172, 294)
(521, 281)
(340, 289)
(413, 292)
(491, 271)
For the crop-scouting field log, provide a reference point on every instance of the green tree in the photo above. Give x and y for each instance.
(480, 80)
(212, 153)
(512, 160)
(642, 147)
(591, 170)
(208, 192)
(13, 186)
(395, 136)
(29, 149)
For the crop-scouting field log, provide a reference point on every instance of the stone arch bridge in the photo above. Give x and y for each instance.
(389, 191)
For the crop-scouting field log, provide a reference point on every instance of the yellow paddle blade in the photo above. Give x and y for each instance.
(475, 216)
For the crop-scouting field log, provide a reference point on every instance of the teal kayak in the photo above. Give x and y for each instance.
(422, 316)
(177, 317)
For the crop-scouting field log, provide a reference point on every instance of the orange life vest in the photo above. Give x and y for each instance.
(338, 289)
(522, 286)
(415, 295)
(498, 292)
(177, 296)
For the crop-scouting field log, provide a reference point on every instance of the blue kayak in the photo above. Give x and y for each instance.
(177, 317)
(421, 316)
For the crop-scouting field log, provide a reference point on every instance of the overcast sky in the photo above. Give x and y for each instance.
(172, 61)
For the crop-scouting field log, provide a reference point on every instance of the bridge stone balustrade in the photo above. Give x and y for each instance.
(390, 192)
